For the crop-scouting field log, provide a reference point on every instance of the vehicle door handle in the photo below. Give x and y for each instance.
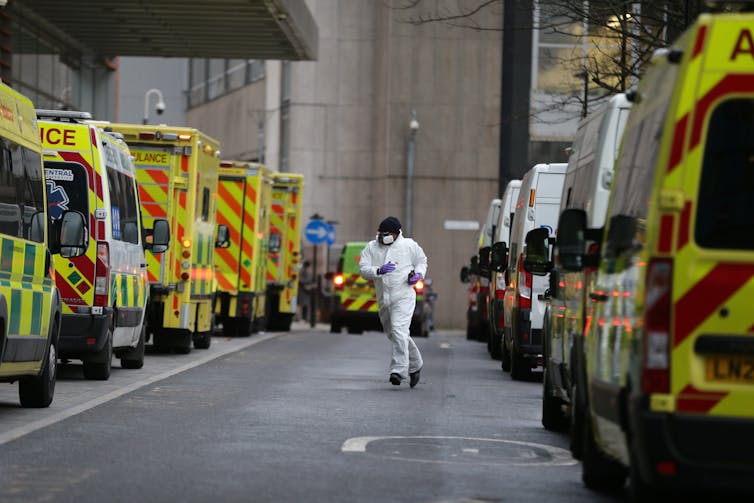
(598, 297)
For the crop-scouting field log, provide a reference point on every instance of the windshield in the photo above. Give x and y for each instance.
(67, 188)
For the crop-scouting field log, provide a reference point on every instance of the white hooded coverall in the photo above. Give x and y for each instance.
(395, 297)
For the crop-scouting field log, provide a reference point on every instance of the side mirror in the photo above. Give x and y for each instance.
(571, 239)
(499, 258)
(74, 238)
(620, 236)
(536, 255)
(474, 266)
(465, 273)
(223, 236)
(484, 261)
(160, 236)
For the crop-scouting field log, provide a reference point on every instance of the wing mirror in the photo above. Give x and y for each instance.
(499, 259)
(537, 253)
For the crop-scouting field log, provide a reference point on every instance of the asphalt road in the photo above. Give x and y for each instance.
(305, 416)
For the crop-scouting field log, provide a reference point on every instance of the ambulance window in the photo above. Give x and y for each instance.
(21, 188)
(637, 165)
(67, 188)
(205, 204)
(124, 213)
(274, 242)
(726, 188)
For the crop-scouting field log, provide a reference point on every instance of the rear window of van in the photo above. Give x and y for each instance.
(725, 211)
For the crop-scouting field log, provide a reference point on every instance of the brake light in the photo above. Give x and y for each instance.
(499, 294)
(524, 285)
(338, 281)
(147, 135)
(226, 164)
(245, 307)
(655, 374)
(419, 286)
(102, 275)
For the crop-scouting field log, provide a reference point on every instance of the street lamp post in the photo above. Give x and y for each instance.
(159, 107)
(413, 127)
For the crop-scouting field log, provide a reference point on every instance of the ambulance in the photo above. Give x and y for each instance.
(177, 172)
(284, 250)
(355, 298)
(104, 291)
(30, 305)
(669, 371)
(477, 319)
(243, 206)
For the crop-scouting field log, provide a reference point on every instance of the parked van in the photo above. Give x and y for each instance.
(524, 304)
(243, 207)
(669, 346)
(177, 170)
(104, 291)
(586, 187)
(478, 326)
(499, 274)
(30, 306)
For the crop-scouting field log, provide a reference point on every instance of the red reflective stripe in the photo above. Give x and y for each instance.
(691, 399)
(706, 296)
(368, 305)
(85, 265)
(676, 150)
(228, 199)
(667, 223)
(226, 257)
(223, 282)
(685, 224)
(68, 292)
(733, 83)
(158, 176)
(701, 37)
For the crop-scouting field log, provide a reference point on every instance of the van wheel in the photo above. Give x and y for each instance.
(99, 367)
(505, 357)
(243, 327)
(203, 340)
(520, 369)
(598, 471)
(38, 392)
(134, 358)
(493, 345)
(229, 327)
(552, 414)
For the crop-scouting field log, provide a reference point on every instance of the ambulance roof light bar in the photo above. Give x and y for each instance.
(63, 115)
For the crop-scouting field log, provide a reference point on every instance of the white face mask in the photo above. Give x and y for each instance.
(385, 239)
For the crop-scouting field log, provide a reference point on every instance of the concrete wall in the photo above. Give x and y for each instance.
(137, 75)
(349, 119)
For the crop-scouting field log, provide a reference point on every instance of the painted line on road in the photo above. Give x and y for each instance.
(444, 345)
(559, 457)
(20, 431)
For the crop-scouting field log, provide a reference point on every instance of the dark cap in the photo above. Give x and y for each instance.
(390, 224)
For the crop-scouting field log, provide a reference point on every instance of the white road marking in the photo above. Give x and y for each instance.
(20, 431)
(444, 345)
(559, 457)
(470, 451)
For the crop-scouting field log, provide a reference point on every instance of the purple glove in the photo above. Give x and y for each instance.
(414, 278)
(386, 268)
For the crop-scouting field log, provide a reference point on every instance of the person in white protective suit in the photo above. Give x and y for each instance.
(396, 263)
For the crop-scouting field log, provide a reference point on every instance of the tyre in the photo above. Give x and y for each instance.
(134, 358)
(598, 471)
(552, 407)
(243, 327)
(98, 368)
(335, 328)
(505, 357)
(230, 327)
(38, 392)
(203, 340)
(493, 345)
(520, 368)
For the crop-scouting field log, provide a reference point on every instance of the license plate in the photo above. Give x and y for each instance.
(730, 368)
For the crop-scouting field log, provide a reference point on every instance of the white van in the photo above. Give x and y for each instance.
(479, 290)
(499, 278)
(587, 187)
(538, 206)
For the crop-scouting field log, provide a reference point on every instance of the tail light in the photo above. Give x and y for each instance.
(524, 285)
(655, 374)
(102, 275)
(419, 286)
(245, 307)
(338, 281)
